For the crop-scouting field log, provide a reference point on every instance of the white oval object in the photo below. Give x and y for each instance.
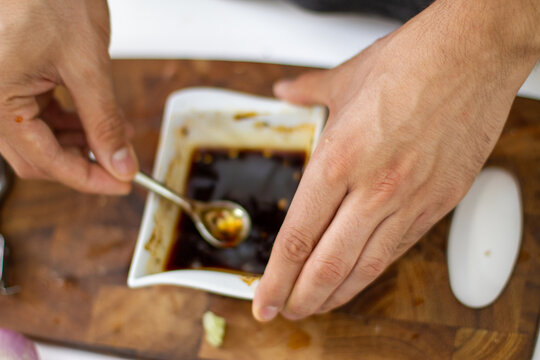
(485, 238)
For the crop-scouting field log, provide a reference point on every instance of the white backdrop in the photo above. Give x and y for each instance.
(253, 30)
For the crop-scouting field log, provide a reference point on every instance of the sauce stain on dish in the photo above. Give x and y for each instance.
(183, 131)
(290, 129)
(249, 280)
(263, 181)
(19, 119)
(261, 124)
(245, 115)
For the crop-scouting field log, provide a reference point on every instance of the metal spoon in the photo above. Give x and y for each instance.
(221, 223)
(4, 253)
(5, 184)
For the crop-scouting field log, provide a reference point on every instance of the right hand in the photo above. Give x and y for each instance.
(412, 119)
(61, 42)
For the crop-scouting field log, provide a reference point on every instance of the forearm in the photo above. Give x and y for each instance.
(509, 30)
(490, 44)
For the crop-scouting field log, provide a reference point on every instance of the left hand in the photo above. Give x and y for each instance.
(44, 44)
(412, 120)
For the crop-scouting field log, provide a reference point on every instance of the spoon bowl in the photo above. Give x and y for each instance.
(221, 223)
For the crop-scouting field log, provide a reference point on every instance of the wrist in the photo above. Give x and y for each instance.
(510, 29)
(491, 42)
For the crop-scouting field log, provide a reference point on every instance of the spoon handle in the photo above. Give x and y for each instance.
(155, 186)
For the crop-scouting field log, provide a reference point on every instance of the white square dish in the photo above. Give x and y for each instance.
(211, 117)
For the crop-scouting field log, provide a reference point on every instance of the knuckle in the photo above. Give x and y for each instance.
(387, 182)
(372, 267)
(391, 179)
(110, 128)
(419, 228)
(296, 245)
(387, 246)
(335, 166)
(403, 244)
(422, 224)
(330, 269)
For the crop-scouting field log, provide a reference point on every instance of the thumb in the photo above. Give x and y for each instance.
(102, 121)
(308, 89)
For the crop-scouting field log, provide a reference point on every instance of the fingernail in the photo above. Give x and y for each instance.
(123, 161)
(282, 85)
(267, 313)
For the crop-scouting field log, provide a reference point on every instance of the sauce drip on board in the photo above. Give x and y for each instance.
(262, 181)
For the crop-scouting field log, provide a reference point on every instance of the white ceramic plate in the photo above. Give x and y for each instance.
(485, 237)
(184, 107)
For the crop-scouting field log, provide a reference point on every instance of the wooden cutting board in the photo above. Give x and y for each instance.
(72, 253)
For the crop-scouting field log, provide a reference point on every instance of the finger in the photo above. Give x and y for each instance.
(308, 89)
(95, 178)
(60, 120)
(90, 84)
(38, 146)
(22, 168)
(416, 229)
(421, 225)
(334, 257)
(379, 252)
(319, 194)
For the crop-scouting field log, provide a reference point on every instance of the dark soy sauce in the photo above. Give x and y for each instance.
(262, 181)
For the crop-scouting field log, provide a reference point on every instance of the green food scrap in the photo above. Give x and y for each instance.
(214, 328)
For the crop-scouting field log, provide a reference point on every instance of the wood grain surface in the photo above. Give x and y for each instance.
(72, 252)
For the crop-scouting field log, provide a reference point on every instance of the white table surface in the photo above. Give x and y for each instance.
(50, 352)
(251, 30)
(254, 30)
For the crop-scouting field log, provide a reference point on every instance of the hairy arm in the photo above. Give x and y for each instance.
(412, 120)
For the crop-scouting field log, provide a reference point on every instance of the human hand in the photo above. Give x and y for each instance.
(412, 120)
(48, 43)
